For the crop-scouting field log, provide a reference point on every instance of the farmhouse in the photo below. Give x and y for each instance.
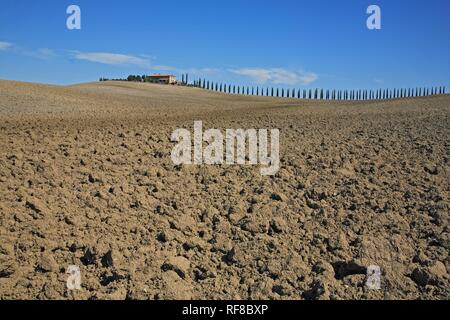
(162, 78)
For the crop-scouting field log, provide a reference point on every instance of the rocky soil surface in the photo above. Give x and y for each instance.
(86, 179)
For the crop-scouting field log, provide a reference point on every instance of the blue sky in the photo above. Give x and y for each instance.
(302, 44)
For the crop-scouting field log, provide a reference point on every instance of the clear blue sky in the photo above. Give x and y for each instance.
(302, 44)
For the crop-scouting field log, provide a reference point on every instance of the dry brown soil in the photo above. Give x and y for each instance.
(86, 179)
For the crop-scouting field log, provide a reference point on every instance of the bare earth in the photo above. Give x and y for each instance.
(86, 179)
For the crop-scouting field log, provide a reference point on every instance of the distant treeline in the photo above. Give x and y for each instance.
(132, 78)
(316, 94)
(319, 94)
(145, 78)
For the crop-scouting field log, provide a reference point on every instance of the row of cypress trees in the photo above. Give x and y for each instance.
(320, 94)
